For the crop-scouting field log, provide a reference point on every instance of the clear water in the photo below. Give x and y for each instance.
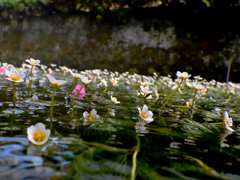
(178, 144)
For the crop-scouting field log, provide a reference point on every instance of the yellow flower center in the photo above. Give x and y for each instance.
(90, 118)
(189, 103)
(14, 77)
(143, 114)
(39, 136)
(33, 63)
(58, 85)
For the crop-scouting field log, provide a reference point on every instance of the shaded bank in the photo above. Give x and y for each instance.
(142, 45)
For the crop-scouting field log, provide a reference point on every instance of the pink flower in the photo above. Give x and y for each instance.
(82, 92)
(2, 70)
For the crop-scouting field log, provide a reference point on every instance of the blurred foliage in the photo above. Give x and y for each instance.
(17, 9)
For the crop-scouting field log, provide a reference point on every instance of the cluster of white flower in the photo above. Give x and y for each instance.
(145, 86)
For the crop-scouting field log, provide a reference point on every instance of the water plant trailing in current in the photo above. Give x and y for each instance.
(116, 125)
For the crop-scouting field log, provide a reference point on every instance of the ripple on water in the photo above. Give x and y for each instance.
(14, 166)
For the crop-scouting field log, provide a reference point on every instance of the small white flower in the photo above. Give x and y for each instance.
(197, 86)
(189, 103)
(76, 75)
(114, 81)
(216, 111)
(91, 117)
(145, 114)
(197, 77)
(33, 62)
(38, 134)
(32, 78)
(85, 80)
(145, 90)
(183, 75)
(145, 84)
(103, 82)
(54, 82)
(114, 100)
(14, 75)
(227, 121)
(96, 72)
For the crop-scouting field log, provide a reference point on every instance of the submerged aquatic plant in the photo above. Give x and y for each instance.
(115, 132)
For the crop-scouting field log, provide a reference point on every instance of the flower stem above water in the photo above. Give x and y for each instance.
(169, 97)
(51, 115)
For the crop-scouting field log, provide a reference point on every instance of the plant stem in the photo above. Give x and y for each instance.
(110, 108)
(194, 97)
(107, 89)
(141, 100)
(167, 94)
(74, 85)
(76, 95)
(134, 159)
(237, 105)
(51, 115)
(106, 147)
(169, 97)
(14, 98)
(30, 82)
(229, 98)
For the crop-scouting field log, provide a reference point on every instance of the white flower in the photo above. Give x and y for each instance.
(54, 82)
(96, 72)
(197, 77)
(103, 82)
(216, 111)
(197, 86)
(145, 90)
(114, 100)
(38, 134)
(144, 84)
(33, 62)
(227, 121)
(76, 75)
(91, 117)
(189, 103)
(145, 114)
(183, 75)
(114, 81)
(85, 80)
(14, 75)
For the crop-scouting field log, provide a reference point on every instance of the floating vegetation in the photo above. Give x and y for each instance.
(96, 124)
